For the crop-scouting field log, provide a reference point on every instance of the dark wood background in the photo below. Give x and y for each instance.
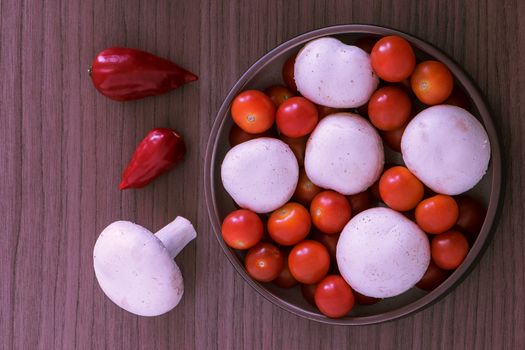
(63, 147)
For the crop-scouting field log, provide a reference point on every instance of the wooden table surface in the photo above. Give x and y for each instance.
(64, 147)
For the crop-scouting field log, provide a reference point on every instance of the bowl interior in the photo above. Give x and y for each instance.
(267, 72)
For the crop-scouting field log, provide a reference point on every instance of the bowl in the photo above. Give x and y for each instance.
(266, 72)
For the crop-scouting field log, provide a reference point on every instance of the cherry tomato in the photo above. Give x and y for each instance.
(285, 278)
(365, 300)
(458, 98)
(366, 43)
(305, 190)
(288, 72)
(242, 229)
(432, 278)
(330, 242)
(278, 94)
(296, 117)
(309, 261)
(334, 297)
(330, 211)
(264, 262)
(253, 111)
(437, 214)
(308, 291)
(323, 111)
(360, 202)
(400, 189)
(389, 108)
(449, 249)
(238, 135)
(298, 146)
(289, 224)
(393, 59)
(392, 138)
(471, 215)
(432, 82)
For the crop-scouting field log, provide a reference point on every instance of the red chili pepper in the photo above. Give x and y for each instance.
(157, 153)
(124, 74)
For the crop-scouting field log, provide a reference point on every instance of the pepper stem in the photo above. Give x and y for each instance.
(176, 235)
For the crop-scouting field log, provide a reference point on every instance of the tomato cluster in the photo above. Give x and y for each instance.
(296, 243)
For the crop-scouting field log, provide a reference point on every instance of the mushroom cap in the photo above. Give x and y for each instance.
(135, 271)
(381, 253)
(447, 148)
(261, 174)
(344, 153)
(331, 73)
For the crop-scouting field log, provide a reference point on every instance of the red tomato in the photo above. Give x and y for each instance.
(471, 215)
(238, 135)
(432, 278)
(392, 138)
(298, 146)
(253, 111)
(242, 229)
(393, 59)
(264, 262)
(330, 211)
(334, 297)
(458, 98)
(309, 262)
(437, 214)
(305, 190)
(288, 72)
(400, 189)
(308, 291)
(296, 117)
(330, 242)
(359, 202)
(449, 249)
(389, 108)
(278, 94)
(285, 278)
(366, 43)
(323, 111)
(432, 82)
(365, 300)
(289, 224)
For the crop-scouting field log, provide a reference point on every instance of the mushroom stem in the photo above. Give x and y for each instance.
(176, 235)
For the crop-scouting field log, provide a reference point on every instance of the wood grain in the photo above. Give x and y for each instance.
(64, 146)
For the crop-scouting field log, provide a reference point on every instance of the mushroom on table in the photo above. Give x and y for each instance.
(333, 74)
(135, 268)
(261, 174)
(447, 148)
(344, 154)
(381, 253)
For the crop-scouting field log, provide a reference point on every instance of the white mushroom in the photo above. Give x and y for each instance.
(261, 174)
(344, 153)
(381, 253)
(331, 73)
(135, 268)
(447, 148)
